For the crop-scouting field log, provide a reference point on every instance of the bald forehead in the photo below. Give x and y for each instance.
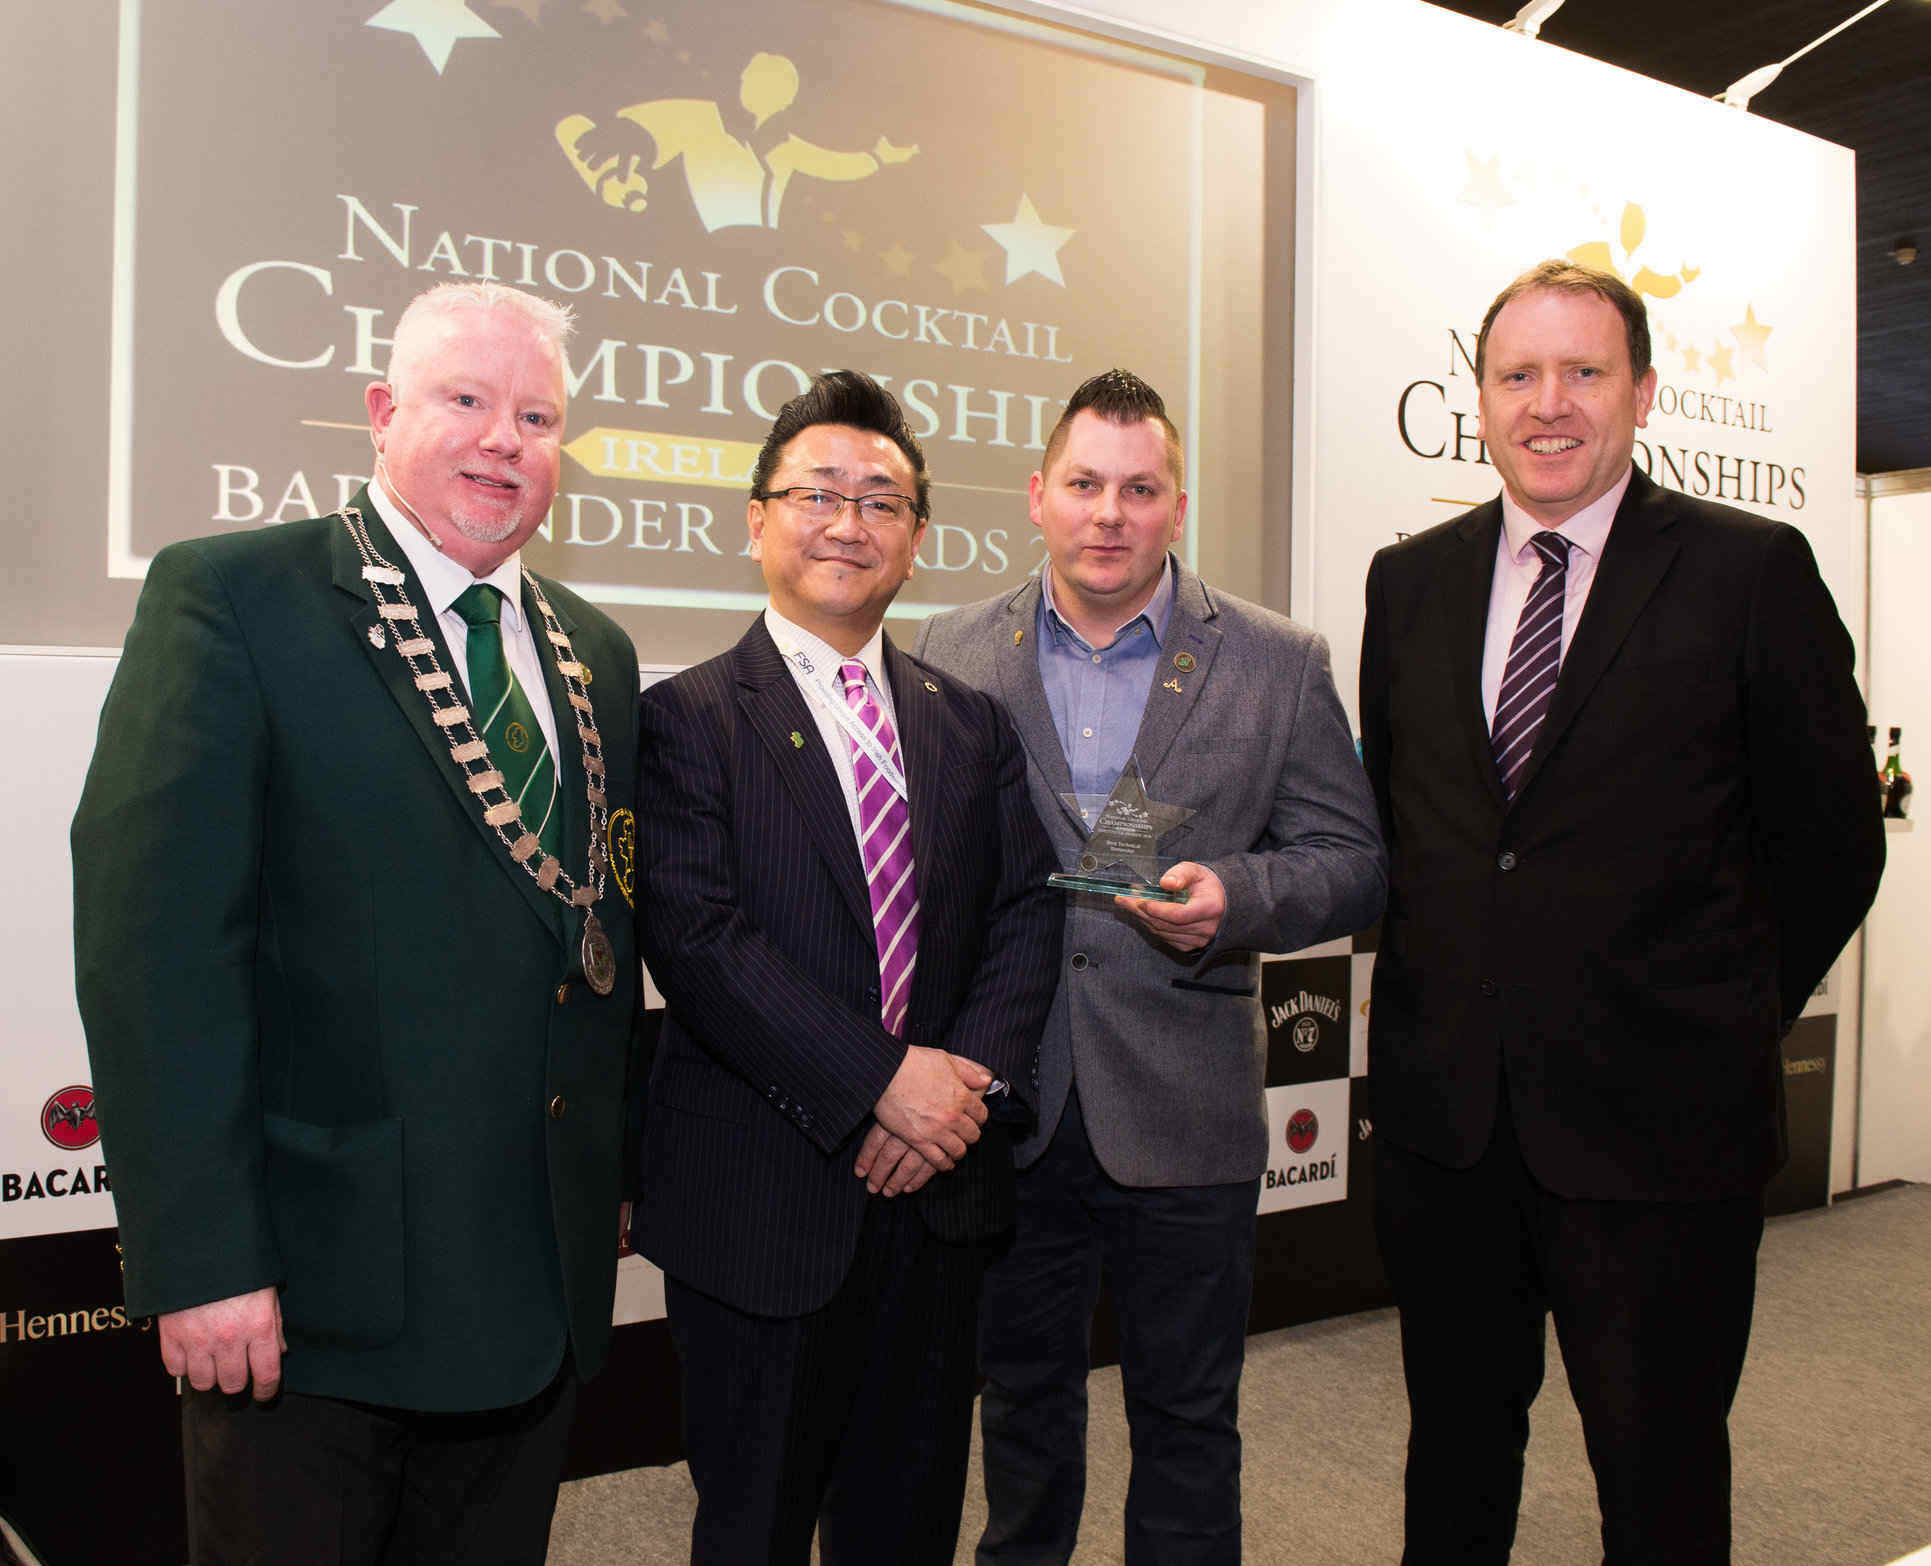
(439, 342)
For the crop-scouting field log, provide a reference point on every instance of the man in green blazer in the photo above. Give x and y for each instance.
(359, 979)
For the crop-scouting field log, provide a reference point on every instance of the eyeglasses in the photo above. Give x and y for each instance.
(880, 509)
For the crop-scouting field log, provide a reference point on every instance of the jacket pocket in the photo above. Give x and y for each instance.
(336, 1197)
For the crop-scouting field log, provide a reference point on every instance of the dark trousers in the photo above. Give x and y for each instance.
(1652, 1305)
(855, 1419)
(317, 1481)
(1179, 1262)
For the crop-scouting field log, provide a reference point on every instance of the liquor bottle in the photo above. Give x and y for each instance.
(1877, 768)
(1897, 782)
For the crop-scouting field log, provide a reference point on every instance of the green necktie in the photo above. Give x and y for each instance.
(505, 718)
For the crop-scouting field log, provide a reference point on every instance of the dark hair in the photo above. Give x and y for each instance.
(843, 397)
(1119, 397)
(1569, 277)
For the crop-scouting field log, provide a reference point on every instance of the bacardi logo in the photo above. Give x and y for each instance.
(1302, 1130)
(67, 1119)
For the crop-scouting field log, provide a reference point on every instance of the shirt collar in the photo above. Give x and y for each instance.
(1587, 530)
(1156, 613)
(443, 580)
(821, 659)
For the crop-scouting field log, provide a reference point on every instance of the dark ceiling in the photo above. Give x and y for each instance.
(1868, 89)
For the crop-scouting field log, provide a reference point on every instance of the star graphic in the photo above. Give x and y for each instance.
(854, 241)
(1030, 245)
(656, 31)
(438, 25)
(605, 11)
(1720, 365)
(1692, 358)
(1751, 334)
(1484, 187)
(964, 269)
(533, 9)
(898, 260)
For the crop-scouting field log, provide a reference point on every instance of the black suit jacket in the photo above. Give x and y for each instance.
(756, 924)
(1695, 839)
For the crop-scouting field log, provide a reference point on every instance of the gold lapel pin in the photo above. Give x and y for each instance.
(1173, 685)
(1018, 637)
(1184, 662)
(931, 687)
(377, 638)
(797, 740)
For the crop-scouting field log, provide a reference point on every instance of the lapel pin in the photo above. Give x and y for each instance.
(797, 740)
(931, 687)
(1184, 662)
(584, 675)
(1018, 637)
(378, 638)
(1174, 686)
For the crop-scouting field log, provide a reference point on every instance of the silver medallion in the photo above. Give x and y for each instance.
(599, 957)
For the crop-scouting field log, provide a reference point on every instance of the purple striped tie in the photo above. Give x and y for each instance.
(1535, 657)
(885, 844)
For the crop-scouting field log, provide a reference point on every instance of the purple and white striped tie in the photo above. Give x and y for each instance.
(1535, 657)
(885, 844)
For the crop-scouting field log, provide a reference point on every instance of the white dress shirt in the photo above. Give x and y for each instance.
(813, 661)
(1517, 565)
(445, 581)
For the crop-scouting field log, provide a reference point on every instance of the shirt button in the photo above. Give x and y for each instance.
(1487, 986)
(1096, 657)
(1087, 732)
(556, 1107)
(1505, 860)
(1079, 962)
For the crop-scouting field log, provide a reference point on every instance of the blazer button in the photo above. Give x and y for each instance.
(556, 1107)
(1505, 860)
(563, 992)
(1487, 987)
(1079, 962)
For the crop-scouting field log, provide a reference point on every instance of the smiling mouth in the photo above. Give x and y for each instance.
(490, 483)
(1552, 445)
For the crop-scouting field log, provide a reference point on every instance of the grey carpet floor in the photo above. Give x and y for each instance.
(1831, 1431)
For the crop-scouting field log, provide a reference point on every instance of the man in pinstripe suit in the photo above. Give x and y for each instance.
(847, 912)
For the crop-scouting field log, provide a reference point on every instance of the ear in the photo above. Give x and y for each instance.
(1645, 397)
(754, 524)
(912, 559)
(1179, 516)
(380, 399)
(1033, 491)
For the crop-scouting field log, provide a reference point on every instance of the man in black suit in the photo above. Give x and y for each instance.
(1622, 772)
(847, 912)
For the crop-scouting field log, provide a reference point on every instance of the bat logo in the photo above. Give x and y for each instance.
(1302, 1130)
(67, 1119)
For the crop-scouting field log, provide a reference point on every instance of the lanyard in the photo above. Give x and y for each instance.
(848, 720)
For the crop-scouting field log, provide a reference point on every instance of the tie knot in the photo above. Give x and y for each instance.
(1553, 547)
(852, 672)
(479, 604)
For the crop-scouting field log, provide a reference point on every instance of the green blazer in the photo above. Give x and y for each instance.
(342, 1043)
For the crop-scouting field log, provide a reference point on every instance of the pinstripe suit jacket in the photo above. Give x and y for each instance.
(756, 924)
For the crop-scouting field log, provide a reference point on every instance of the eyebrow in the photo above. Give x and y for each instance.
(878, 478)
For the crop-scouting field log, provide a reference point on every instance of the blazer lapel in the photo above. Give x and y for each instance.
(1634, 559)
(921, 743)
(571, 784)
(359, 605)
(784, 723)
(1190, 634)
(1017, 658)
(1468, 583)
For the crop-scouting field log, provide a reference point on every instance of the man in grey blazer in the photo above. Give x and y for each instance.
(1152, 1132)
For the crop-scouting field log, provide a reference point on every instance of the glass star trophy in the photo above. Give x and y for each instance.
(1118, 858)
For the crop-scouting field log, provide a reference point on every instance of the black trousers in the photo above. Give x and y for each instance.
(855, 1419)
(318, 1481)
(1180, 1264)
(1652, 1304)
